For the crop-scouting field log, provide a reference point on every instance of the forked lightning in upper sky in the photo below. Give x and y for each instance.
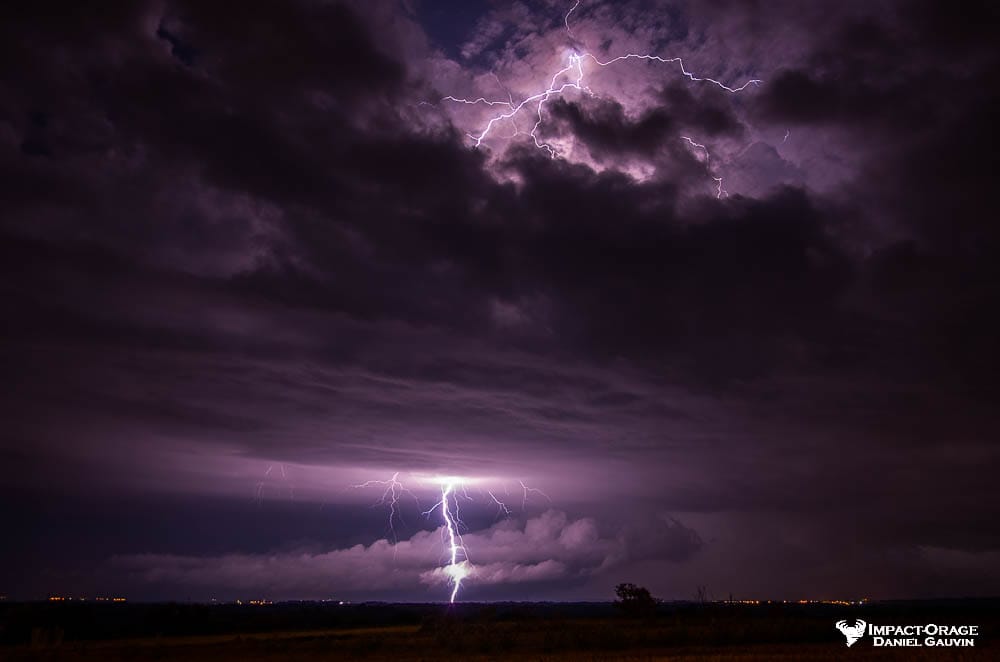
(571, 77)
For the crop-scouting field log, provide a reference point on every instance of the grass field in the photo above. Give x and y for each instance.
(475, 633)
(407, 644)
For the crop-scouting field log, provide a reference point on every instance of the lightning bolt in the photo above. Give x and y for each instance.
(571, 77)
(528, 490)
(259, 490)
(572, 9)
(719, 190)
(501, 506)
(452, 489)
(457, 570)
(394, 490)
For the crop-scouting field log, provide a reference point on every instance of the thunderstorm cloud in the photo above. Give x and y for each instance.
(253, 257)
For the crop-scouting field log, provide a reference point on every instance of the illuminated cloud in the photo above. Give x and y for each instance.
(545, 548)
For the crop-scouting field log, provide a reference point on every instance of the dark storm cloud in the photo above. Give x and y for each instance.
(914, 88)
(237, 240)
(604, 127)
(610, 134)
(732, 288)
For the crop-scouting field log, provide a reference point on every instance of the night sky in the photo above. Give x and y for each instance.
(730, 334)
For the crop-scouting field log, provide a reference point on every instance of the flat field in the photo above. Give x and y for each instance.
(411, 633)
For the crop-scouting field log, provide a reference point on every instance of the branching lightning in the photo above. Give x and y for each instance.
(457, 570)
(263, 483)
(571, 77)
(719, 191)
(452, 489)
(394, 490)
(501, 506)
(528, 490)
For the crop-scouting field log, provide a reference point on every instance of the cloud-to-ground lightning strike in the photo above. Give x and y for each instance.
(459, 565)
(457, 570)
(575, 73)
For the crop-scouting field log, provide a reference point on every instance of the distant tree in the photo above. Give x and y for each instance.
(635, 600)
(701, 594)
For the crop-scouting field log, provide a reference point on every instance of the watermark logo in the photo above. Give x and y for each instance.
(852, 632)
(918, 636)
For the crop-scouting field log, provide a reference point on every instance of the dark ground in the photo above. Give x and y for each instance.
(317, 631)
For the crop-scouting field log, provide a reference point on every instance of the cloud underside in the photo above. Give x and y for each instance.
(548, 548)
